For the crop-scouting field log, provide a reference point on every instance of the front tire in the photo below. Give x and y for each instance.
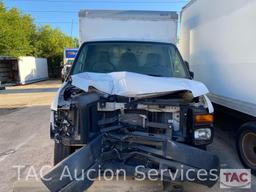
(61, 152)
(246, 145)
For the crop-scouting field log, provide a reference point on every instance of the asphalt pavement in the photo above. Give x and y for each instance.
(25, 143)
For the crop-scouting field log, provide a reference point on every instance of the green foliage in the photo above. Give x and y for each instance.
(19, 36)
(50, 43)
(16, 32)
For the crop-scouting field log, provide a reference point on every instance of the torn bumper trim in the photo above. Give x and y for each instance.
(174, 156)
(66, 175)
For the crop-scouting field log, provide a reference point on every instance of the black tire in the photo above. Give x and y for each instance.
(246, 145)
(61, 152)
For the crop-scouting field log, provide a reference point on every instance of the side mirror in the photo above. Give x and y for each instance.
(187, 65)
(190, 72)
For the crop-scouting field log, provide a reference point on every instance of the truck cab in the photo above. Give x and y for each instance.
(124, 75)
(127, 103)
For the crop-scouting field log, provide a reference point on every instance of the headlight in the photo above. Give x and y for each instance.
(203, 134)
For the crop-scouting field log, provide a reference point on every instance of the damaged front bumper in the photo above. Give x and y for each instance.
(114, 149)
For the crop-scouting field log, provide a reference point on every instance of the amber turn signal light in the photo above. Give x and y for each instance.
(204, 119)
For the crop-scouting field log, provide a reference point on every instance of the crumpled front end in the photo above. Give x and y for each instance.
(163, 131)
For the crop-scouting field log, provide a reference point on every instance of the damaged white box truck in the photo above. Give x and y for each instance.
(218, 39)
(130, 100)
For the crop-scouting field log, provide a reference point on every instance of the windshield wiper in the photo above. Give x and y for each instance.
(155, 75)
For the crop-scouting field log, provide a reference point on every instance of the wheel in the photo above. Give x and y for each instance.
(246, 145)
(61, 152)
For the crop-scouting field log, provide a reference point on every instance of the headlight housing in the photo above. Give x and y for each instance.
(203, 134)
(200, 124)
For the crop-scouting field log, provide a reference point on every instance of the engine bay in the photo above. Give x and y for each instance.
(112, 132)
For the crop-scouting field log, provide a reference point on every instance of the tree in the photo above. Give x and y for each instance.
(50, 43)
(19, 36)
(16, 32)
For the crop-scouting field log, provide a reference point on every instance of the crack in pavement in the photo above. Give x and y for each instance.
(12, 151)
(8, 152)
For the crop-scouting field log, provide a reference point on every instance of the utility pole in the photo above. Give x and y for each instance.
(72, 27)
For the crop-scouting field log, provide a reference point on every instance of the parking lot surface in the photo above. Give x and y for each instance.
(24, 141)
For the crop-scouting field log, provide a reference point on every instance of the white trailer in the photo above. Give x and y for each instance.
(32, 69)
(22, 70)
(218, 39)
(156, 26)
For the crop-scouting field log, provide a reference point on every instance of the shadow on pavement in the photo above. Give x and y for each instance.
(33, 90)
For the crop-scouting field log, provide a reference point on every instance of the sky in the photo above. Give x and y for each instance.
(63, 14)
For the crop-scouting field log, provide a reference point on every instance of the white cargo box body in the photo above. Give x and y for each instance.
(218, 40)
(101, 25)
(22, 70)
(32, 69)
